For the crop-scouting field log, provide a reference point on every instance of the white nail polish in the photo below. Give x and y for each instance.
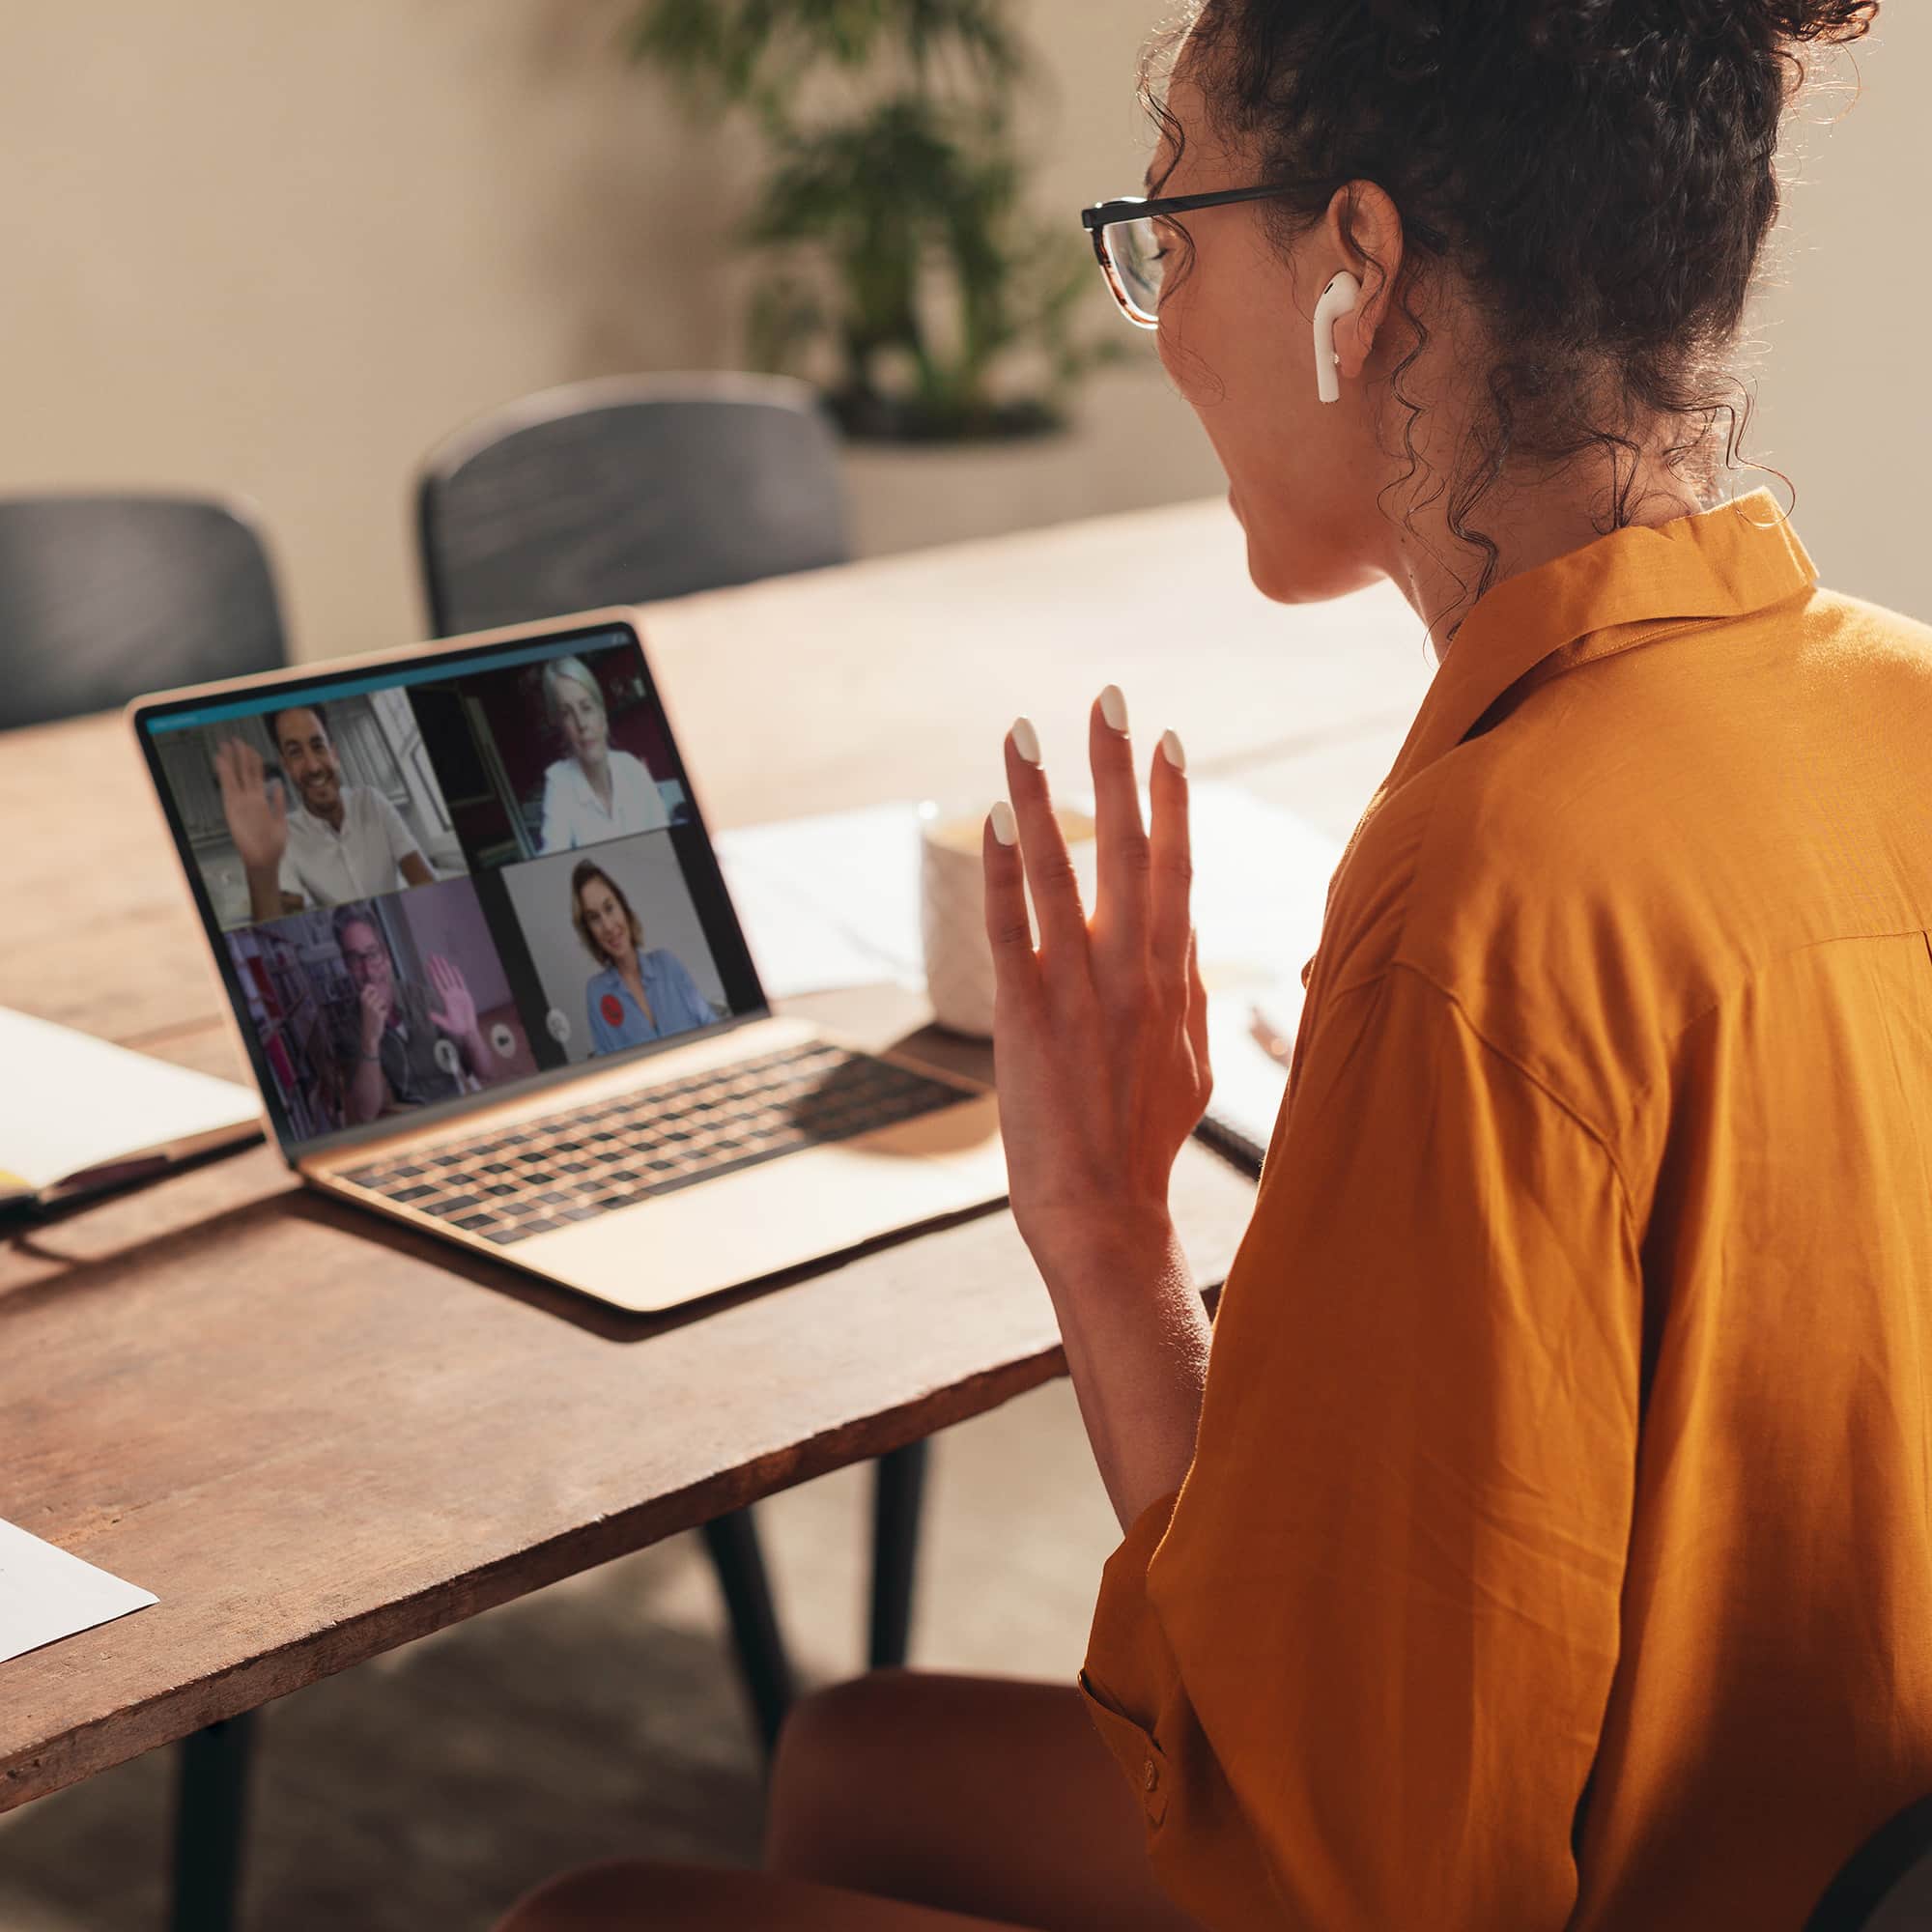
(1113, 708)
(1026, 740)
(1170, 749)
(1005, 829)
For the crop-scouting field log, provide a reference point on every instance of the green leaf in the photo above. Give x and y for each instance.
(918, 167)
(739, 45)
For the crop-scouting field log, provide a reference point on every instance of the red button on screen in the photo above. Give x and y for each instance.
(614, 1009)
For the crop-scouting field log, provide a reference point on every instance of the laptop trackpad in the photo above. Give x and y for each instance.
(671, 1248)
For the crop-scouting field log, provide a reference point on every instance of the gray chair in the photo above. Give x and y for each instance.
(1885, 1885)
(625, 490)
(621, 492)
(104, 597)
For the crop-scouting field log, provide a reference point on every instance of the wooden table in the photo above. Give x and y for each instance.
(317, 1437)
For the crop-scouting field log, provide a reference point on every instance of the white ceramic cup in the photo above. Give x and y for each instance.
(952, 907)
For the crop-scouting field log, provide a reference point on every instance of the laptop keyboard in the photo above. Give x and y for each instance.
(568, 1166)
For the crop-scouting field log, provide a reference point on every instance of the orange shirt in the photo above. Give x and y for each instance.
(1556, 1555)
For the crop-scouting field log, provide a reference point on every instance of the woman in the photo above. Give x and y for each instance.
(638, 995)
(596, 793)
(1543, 1543)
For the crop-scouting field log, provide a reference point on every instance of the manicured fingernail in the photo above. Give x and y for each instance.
(1113, 708)
(1026, 740)
(1004, 827)
(1170, 749)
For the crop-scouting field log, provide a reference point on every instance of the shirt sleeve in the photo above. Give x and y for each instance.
(287, 875)
(396, 832)
(643, 806)
(557, 836)
(694, 1010)
(1362, 1659)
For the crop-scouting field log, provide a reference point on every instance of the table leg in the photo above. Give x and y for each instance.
(211, 1809)
(898, 1487)
(733, 1543)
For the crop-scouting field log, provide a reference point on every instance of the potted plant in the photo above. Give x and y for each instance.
(902, 270)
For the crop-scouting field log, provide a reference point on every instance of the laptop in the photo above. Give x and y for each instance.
(485, 967)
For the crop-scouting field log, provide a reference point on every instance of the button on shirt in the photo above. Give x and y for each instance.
(1556, 1555)
(574, 816)
(329, 867)
(674, 994)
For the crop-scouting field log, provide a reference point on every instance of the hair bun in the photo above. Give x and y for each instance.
(1598, 28)
(1812, 19)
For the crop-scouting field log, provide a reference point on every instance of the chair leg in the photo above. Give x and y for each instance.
(733, 1543)
(898, 1487)
(211, 1817)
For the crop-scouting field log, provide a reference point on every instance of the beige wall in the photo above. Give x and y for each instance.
(1845, 400)
(283, 250)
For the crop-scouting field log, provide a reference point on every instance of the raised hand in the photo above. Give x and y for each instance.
(455, 1011)
(256, 809)
(375, 1003)
(1100, 1033)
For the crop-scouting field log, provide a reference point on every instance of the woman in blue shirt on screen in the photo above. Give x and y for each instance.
(639, 996)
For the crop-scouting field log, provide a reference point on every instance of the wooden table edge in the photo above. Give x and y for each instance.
(176, 1713)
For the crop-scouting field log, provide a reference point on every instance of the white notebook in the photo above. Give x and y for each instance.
(1250, 1077)
(1260, 887)
(77, 1114)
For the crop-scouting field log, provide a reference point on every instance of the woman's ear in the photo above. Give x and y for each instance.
(1364, 234)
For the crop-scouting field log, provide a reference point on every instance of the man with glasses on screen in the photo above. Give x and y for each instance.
(409, 1045)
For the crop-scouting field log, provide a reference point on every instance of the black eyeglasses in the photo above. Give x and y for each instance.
(1128, 244)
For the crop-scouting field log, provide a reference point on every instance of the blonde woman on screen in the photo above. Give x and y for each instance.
(1538, 1538)
(598, 792)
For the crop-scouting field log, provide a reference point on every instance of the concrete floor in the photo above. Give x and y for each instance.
(600, 1717)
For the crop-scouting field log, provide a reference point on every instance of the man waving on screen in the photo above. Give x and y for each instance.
(337, 842)
(406, 1045)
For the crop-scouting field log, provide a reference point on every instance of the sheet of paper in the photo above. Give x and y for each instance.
(70, 1102)
(1249, 1082)
(1261, 885)
(831, 900)
(834, 900)
(45, 1594)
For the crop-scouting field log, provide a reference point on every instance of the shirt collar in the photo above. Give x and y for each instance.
(303, 813)
(1617, 592)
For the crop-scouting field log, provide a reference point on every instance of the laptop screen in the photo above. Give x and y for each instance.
(452, 877)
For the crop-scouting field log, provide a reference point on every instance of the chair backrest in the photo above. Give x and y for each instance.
(1885, 1885)
(621, 490)
(102, 598)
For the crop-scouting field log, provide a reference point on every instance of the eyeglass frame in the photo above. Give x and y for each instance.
(1103, 214)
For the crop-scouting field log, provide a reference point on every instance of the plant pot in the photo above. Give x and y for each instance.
(1134, 443)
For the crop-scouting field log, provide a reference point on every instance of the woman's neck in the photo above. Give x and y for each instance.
(597, 773)
(1529, 527)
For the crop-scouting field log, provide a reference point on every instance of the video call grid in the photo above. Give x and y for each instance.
(391, 856)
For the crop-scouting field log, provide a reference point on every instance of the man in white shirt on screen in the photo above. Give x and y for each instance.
(331, 843)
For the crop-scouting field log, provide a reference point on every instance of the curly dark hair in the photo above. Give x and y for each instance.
(1598, 172)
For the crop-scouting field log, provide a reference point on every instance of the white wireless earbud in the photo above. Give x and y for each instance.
(1337, 298)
